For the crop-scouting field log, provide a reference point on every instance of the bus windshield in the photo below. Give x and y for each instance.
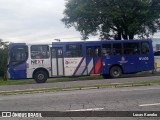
(18, 55)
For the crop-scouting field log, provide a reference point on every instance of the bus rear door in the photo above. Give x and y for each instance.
(131, 54)
(93, 59)
(146, 59)
(57, 61)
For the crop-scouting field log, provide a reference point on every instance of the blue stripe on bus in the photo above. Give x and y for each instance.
(84, 70)
(78, 66)
(86, 66)
(18, 71)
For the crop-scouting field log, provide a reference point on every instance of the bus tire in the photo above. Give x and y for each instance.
(40, 76)
(115, 72)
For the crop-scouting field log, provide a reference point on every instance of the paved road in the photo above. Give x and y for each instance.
(145, 98)
(79, 83)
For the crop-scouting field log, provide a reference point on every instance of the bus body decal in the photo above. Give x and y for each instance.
(84, 70)
(80, 63)
(97, 67)
(90, 64)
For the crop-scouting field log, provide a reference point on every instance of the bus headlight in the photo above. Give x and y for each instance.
(104, 63)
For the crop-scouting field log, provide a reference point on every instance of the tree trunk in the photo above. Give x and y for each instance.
(118, 35)
(131, 37)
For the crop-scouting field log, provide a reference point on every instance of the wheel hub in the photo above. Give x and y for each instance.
(116, 72)
(40, 76)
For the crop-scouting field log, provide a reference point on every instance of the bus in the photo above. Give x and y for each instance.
(157, 60)
(58, 59)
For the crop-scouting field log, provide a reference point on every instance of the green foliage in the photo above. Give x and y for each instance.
(3, 59)
(113, 19)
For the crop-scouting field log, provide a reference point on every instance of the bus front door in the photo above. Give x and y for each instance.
(94, 60)
(57, 61)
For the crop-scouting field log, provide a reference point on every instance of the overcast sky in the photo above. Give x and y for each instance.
(34, 21)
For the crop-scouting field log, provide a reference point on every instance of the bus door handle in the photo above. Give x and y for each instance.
(132, 63)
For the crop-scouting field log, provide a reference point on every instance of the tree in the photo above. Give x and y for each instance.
(3, 59)
(113, 19)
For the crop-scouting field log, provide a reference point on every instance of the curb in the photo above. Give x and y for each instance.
(41, 90)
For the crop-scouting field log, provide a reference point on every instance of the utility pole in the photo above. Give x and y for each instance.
(57, 40)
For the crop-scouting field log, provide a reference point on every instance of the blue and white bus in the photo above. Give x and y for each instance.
(58, 59)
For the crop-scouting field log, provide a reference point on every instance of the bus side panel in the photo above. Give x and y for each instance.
(18, 72)
(74, 66)
(146, 63)
(81, 68)
(94, 65)
(127, 63)
(34, 64)
(109, 61)
(97, 67)
(130, 64)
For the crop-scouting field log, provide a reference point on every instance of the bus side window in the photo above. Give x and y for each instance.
(54, 53)
(117, 49)
(59, 53)
(131, 48)
(106, 49)
(97, 51)
(89, 51)
(74, 50)
(145, 48)
(39, 51)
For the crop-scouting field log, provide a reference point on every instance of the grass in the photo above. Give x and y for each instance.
(65, 79)
(16, 82)
(50, 80)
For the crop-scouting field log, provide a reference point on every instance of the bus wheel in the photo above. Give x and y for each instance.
(40, 76)
(115, 72)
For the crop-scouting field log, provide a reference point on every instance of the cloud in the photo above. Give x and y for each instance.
(157, 35)
(33, 20)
